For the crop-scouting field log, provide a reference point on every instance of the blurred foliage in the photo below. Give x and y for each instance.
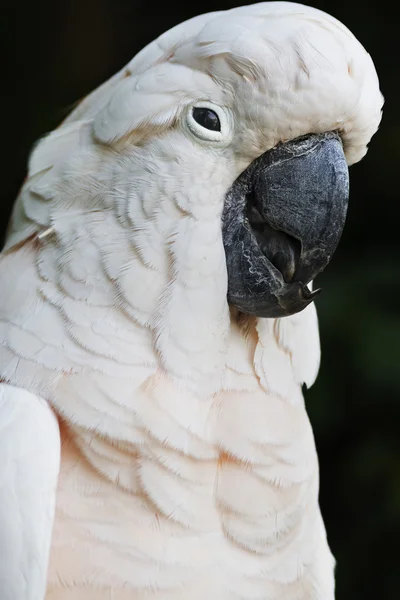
(55, 53)
(354, 409)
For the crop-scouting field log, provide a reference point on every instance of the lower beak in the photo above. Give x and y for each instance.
(282, 221)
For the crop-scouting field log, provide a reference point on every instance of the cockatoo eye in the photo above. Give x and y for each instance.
(209, 122)
(207, 118)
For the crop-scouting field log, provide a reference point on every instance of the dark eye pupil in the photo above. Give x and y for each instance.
(207, 118)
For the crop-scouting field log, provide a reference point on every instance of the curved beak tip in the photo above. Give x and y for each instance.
(310, 294)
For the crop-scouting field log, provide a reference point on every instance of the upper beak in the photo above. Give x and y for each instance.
(282, 221)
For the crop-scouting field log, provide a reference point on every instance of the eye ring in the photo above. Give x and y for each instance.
(219, 116)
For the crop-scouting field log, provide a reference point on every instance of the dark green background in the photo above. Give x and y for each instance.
(56, 52)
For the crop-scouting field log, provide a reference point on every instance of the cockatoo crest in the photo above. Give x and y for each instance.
(276, 71)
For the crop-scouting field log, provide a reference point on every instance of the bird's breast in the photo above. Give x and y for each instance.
(209, 497)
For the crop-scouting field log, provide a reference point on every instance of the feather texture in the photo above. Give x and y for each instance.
(29, 465)
(188, 465)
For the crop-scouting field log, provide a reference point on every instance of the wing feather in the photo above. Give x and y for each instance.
(29, 466)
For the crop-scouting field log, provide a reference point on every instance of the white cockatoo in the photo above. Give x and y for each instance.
(157, 321)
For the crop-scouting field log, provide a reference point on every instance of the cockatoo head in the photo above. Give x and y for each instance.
(247, 119)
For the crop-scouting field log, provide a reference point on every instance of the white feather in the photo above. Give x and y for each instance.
(29, 465)
(188, 463)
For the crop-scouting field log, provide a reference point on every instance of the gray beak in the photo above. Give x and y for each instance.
(282, 221)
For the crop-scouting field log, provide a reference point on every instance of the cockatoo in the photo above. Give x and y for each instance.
(157, 322)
